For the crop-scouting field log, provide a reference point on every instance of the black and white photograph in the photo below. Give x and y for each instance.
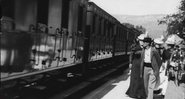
(92, 49)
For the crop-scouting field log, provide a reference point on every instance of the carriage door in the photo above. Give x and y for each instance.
(80, 35)
(54, 40)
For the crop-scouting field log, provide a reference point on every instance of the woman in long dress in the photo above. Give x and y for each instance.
(136, 88)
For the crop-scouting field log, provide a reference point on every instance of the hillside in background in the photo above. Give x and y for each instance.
(147, 21)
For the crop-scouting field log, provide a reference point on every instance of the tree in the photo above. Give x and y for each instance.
(137, 27)
(176, 22)
(141, 28)
(128, 25)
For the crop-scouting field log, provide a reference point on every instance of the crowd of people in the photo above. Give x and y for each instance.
(153, 63)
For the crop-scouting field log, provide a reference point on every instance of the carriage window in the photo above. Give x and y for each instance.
(7, 15)
(105, 27)
(111, 32)
(93, 23)
(8, 8)
(65, 13)
(119, 33)
(108, 32)
(42, 11)
(100, 25)
(0, 15)
(80, 18)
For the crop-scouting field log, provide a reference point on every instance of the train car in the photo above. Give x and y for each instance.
(121, 40)
(101, 30)
(47, 37)
(38, 36)
(120, 43)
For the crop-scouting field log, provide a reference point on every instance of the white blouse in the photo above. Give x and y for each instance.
(147, 58)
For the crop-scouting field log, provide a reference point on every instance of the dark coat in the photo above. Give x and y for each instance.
(136, 87)
(156, 62)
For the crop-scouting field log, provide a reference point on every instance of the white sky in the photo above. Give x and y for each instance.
(138, 7)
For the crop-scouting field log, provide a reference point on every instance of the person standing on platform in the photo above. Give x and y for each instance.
(159, 45)
(150, 65)
(136, 87)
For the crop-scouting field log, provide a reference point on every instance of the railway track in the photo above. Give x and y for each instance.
(59, 88)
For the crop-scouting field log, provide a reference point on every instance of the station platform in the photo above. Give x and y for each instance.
(116, 88)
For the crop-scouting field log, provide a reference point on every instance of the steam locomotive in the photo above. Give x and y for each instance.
(41, 36)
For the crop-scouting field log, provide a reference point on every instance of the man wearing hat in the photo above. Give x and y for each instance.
(150, 65)
(161, 89)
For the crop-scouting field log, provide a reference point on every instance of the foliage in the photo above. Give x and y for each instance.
(128, 25)
(141, 28)
(176, 22)
(137, 27)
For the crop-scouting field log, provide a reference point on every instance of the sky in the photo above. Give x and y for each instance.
(138, 7)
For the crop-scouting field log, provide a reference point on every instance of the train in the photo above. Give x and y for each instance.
(38, 37)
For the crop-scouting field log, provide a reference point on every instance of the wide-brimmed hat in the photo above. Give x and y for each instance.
(158, 41)
(147, 39)
(170, 42)
(141, 37)
(174, 39)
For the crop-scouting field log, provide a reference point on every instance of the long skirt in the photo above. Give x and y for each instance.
(136, 88)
